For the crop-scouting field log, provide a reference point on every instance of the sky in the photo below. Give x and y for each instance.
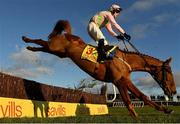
(154, 26)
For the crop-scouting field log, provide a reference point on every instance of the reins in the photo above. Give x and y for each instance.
(163, 69)
(136, 50)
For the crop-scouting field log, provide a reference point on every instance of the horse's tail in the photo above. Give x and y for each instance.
(61, 25)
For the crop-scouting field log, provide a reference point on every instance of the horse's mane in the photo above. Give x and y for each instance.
(61, 25)
(140, 54)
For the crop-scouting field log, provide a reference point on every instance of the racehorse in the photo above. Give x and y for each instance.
(62, 43)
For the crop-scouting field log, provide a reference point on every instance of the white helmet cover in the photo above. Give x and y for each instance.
(115, 7)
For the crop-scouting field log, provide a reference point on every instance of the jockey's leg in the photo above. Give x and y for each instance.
(95, 33)
(102, 54)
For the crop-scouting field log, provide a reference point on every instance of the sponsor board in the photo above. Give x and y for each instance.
(17, 108)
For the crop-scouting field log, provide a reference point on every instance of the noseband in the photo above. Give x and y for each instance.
(164, 75)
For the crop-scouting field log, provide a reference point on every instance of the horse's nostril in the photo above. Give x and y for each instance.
(175, 92)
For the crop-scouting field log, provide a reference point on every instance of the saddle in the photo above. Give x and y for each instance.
(91, 53)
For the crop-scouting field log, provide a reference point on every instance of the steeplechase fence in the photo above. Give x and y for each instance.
(25, 98)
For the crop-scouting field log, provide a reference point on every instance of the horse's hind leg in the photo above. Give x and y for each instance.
(143, 97)
(122, 87)
(36, 41)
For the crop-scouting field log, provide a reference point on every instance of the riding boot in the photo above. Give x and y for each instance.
(101, 51)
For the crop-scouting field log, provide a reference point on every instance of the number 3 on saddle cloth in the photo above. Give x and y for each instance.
(90, 53)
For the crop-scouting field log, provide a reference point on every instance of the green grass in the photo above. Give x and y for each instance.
(116, 115)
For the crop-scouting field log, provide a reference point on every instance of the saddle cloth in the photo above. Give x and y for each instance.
(90, 52)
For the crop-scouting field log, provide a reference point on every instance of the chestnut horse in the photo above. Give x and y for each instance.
(64, 44)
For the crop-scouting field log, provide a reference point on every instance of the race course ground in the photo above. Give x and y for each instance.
(116, 115)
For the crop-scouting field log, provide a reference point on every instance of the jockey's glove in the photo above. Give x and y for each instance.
(120, 37)
(127, 37)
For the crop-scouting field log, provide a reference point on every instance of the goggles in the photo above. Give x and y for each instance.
(118, 10)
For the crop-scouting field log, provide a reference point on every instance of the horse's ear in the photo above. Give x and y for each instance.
(168, 61)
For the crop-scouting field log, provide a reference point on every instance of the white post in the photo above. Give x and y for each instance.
(114, 91)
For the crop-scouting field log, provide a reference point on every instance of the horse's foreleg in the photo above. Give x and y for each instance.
(122, 87)
(35, 49)
(36, 41)
(143, 97)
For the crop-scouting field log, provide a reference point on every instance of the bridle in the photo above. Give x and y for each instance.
(163, 67)
(163, 77)
(164, 72)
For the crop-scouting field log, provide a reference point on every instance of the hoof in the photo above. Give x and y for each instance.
(133, 114)
(169, 111)
(25, 39)
(30, 48)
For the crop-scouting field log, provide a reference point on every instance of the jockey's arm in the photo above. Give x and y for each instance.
(110, 30)
(114, 23)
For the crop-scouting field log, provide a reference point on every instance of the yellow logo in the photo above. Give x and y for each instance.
(18, 108)
(90, 53)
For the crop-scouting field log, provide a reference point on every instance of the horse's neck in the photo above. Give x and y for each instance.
(140, 62)
(75, 52)
(75, 47)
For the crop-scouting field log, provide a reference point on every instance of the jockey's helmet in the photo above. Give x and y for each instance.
(115, 8)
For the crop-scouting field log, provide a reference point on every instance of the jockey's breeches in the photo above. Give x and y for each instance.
(95, 33)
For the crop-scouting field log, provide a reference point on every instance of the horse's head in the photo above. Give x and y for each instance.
(164, 77)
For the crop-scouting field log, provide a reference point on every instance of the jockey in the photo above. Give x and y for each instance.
(105, 19)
